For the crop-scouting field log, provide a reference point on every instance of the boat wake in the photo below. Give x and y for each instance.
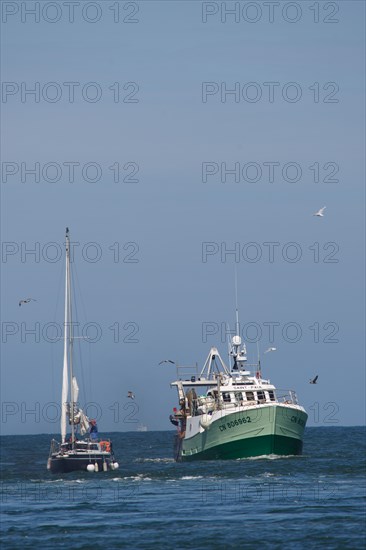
(269, 457)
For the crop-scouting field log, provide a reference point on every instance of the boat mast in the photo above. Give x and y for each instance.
(71, 336)
(238, 355)
(259, 371)
(236, 341)
(65, 373)
(237, 326)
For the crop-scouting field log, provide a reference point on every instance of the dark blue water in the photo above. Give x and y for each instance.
(313, 501)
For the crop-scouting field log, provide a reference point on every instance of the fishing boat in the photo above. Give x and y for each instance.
(231, 412)
(82, 449)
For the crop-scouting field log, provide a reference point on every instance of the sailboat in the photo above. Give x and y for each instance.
(231, 411)
(82, 449)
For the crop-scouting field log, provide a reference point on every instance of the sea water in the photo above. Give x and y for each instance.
(316, 500)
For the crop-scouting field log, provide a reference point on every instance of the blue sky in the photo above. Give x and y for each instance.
(170, 292)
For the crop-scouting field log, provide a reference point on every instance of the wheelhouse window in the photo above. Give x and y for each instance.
(250, 396)
(271, 395)
(238, 396)
(226, 397)
(261, 396)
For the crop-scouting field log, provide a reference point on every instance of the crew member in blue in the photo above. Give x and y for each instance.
(93, 429)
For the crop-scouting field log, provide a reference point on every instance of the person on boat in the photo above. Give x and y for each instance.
(173, 420)
(93, 429)
(70, 442)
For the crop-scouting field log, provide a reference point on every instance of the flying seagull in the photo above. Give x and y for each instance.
(26, 301)
(167, 361)
(131, 395)
(270, 349)
(320, 213)
(314, 380)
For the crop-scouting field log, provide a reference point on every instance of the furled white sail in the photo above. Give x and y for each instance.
(65, 389)
(80, 417)
(75, 389)
(65, 375)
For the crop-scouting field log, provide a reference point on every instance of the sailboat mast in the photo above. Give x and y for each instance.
(65, 373)
(70, 337)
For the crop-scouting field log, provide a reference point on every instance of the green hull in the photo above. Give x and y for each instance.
(271, 430)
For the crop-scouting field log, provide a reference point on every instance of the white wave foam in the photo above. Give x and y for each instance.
(47, 480)
(70, 481)
(154, 460)
(138, 477)
(269, 457)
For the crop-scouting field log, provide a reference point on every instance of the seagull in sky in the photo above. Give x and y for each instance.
(26, 301)
(270, 349)
(131, 395)
(314, 380)
(320, 213)
(167, 361)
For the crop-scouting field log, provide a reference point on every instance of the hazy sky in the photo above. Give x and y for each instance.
(145, 95)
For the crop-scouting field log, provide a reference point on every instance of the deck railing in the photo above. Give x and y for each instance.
(187, 372)
(55, 446)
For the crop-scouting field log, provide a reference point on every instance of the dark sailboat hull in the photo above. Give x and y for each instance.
(67, 464)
